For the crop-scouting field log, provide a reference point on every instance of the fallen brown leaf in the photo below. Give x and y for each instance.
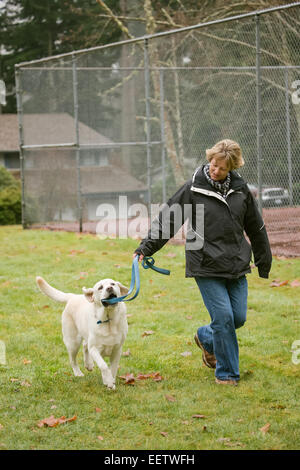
(75, 252)
(170, 398)
(278, 283)
(223, 439)
(83, 275)
(199, 416)
(265, 428)
(147, 333)
(26, 361)
(163, 433)
(98, 410)
(234, 444)
(100, 438)
(126, 353)
(295, 283)
(5, 284)
(156, 376)
(153, 375)
(129, 378)
(141, 376)
(53, 422)
(25, 384)
(161, 294)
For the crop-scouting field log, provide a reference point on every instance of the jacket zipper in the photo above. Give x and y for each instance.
(207, 192)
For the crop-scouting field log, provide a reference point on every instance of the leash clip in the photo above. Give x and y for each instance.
(148, 262)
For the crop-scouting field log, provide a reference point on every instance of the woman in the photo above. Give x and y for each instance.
(220, 263)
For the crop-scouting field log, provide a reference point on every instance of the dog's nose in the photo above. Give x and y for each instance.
(110, 288)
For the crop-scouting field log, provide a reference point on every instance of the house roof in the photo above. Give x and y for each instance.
(109, 179)
(41, 129)
(94, 181)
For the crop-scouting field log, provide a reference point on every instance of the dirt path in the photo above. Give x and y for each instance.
(283, 226)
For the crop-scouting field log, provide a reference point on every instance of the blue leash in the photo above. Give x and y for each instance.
(148, 262)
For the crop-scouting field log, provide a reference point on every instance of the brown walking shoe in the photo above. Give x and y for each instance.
(226, 382)
(208, 359)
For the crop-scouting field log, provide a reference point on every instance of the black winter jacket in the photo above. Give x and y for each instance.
(218, 247)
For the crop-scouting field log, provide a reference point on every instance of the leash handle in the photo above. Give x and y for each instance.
(148, 262)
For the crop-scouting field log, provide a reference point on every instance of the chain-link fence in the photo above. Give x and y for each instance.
(134, 119)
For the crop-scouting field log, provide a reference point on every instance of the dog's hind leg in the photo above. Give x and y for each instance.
(88, 361)
(72, 341)
(73, 347)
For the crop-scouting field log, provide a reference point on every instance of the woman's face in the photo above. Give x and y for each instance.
(218, 169)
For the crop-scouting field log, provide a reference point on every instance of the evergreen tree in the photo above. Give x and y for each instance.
(31, 29)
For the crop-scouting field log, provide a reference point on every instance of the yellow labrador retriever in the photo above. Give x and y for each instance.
(103, 329)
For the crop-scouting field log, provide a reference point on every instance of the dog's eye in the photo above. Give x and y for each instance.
(100, 287)
(113, 284)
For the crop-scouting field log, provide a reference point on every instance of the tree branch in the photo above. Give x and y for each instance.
(121, 25)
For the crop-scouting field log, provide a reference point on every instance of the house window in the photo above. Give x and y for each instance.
(12, 160)
(92, 157)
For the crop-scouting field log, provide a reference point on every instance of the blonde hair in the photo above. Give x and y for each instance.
(229, 150)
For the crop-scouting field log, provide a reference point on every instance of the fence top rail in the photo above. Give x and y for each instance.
(162, 69)
(72, 54)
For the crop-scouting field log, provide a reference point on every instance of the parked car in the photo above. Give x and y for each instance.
(274, 197)
(271, 197)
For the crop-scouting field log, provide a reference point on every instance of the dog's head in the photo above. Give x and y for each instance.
(105, 289)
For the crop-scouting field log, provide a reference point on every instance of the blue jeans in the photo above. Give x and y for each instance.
(226, 302)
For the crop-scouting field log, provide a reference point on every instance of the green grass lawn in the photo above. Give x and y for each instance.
(37, 381)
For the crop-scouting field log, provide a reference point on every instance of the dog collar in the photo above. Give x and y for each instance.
(105, 321)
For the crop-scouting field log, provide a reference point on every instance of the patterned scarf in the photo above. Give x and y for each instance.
(223, 187)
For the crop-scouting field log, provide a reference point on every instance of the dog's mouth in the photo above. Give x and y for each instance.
(111, 296)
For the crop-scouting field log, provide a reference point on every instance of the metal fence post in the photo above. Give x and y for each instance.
(148, 129)
(258, 113)
(288, 134)
(75, 98)
(162, 131)
(21, 143)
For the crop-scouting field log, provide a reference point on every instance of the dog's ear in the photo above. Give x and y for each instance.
(88, 294)
(124, 290)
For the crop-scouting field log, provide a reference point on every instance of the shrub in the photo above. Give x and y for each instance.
(10, 199)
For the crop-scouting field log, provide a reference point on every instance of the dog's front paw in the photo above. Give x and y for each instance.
(78, 373)
(112, 387)
(108, 379)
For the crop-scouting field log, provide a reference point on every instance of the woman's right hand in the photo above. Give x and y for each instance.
(141, 256)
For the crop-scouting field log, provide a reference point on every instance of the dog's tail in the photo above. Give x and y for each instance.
(51, 291)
